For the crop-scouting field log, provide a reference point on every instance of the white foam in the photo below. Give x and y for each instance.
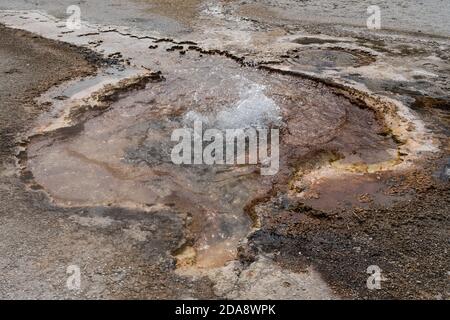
(253, 109)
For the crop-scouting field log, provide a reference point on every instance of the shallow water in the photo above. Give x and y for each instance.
(122, 156)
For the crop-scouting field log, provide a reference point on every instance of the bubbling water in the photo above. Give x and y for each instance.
(253, 109)
(122, 156)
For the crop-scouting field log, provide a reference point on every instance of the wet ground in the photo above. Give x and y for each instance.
(39, 240)
(363, 176)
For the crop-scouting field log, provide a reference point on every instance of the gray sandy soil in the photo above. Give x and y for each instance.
(122, 254)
